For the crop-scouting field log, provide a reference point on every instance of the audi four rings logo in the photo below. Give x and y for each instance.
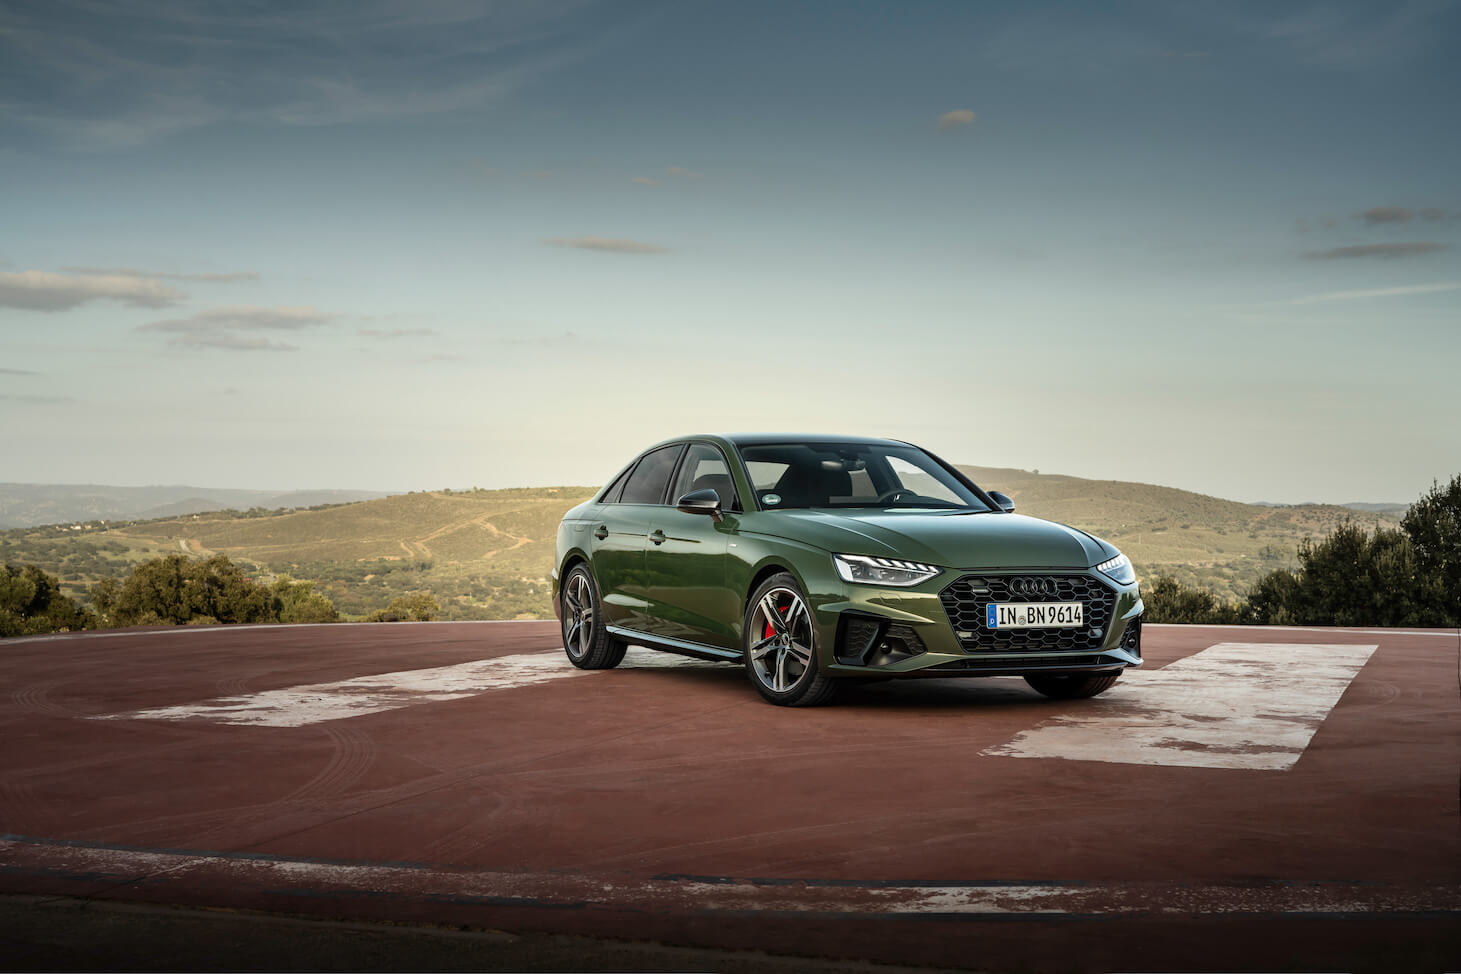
(1032, 586)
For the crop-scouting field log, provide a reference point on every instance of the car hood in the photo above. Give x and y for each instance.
(948, 538)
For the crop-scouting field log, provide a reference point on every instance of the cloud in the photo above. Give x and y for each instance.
(9, 397)
(224, 277)
(1386, 250)
(671, 173)
(46, 291)
(390, 333)
(958, 118)
(1382, 292)
(1401, 214)
(1387, 214)
(609, 244)
(561, 338)
(236, 329)
(5, 371)
(101, 76)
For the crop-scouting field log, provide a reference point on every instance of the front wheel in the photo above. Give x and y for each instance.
(781, 646)
(586, 640)
(1072, 686)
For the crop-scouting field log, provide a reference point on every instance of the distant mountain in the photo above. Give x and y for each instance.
(29, 505)
(1395, 510)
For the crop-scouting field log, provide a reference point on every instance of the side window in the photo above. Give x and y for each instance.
(646, 485)
(705, 467)
(611, 493)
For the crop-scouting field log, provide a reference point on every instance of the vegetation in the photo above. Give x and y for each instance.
(181, 591)
(31, 602)
(1353, 577)
(411, 607)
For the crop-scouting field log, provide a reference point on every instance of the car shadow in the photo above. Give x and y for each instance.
(922, 693)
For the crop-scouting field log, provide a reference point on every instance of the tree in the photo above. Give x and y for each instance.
(1351, 578)
(1433, 525)
(411, 607)
(32, 602)
(1168, 600)
(299, 602)
(175, 590)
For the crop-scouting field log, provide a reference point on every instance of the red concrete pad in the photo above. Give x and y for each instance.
(670, 803)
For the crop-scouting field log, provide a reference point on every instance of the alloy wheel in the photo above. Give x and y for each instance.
(578, 615)
(781, 651)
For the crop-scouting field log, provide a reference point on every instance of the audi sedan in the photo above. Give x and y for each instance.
(815, 560)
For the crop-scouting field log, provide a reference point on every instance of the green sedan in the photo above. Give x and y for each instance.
(814, 560)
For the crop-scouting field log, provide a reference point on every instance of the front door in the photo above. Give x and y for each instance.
(685, 558)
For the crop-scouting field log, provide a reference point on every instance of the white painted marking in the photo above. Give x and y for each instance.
(316, 702)
(139, 867)
(1253, 706)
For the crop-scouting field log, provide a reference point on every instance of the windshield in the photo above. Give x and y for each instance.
(800, 475)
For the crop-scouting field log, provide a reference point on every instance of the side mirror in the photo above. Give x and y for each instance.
(705, 501)
(1003, 500)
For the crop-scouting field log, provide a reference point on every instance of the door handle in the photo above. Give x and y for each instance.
(657, 536)
(601, 532)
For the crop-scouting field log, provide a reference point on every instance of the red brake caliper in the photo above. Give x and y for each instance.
(770, 628)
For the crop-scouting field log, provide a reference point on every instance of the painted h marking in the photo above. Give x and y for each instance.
(1254, 706)
(316, 702)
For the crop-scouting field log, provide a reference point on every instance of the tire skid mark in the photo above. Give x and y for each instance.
(353, 753)
(36, 699)
(467, 838)
(104, 759)
(233, 686)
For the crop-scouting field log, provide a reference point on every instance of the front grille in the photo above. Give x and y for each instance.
(965, 600)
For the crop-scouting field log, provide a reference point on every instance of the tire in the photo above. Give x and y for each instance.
(1072, 686)
(780, 646)
(586, 639)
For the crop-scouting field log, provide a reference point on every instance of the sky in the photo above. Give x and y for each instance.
(403, 246)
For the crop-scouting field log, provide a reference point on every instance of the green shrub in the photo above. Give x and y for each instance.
(31, 602)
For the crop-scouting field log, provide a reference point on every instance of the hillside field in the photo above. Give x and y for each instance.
(487, 554)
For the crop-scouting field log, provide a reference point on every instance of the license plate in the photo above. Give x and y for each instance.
(1034, 615)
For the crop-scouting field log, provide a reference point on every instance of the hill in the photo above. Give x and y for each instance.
(483, 554)
(488, 553)
(32, 505)
(1224, 546)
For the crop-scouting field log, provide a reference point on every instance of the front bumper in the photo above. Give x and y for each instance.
(937, 629)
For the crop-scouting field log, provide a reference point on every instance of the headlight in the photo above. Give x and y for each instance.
(883, 571)
(1118, 569)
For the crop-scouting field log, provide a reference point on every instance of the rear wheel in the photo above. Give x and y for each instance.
(585, 638)
(781, 647)
(1072, 686)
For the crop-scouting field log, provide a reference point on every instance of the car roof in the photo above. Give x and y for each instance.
(759, 439)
